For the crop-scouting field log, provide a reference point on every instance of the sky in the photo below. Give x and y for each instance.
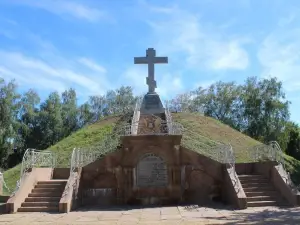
(89, 45)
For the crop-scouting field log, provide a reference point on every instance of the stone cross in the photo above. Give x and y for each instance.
(150, 59)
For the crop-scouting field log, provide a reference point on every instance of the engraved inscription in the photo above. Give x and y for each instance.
(152, 171)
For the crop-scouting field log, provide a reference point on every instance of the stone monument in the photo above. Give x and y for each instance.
(151, 103)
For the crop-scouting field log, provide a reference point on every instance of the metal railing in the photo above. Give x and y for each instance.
(136, 116)
(230, 162)
(273, 152)
(34, 158)
(3, 183)
(267, 152)
(161, 128)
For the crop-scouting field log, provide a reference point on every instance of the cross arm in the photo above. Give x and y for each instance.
(140, 60)
(161, 60)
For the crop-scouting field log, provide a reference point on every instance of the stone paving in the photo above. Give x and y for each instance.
(160, 215)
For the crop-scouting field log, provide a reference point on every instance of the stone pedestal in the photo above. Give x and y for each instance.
(152, 104)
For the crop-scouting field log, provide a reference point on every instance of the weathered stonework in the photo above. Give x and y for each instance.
(114, 179)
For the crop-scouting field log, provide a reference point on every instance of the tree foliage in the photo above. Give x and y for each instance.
(257, 108)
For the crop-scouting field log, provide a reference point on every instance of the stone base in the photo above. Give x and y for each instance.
(152, 104)
(186, 174)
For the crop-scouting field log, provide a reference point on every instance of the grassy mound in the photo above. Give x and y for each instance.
(86, 137)
(201, 134)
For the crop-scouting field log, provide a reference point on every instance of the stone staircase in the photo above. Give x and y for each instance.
(44, 197)
(260, 191)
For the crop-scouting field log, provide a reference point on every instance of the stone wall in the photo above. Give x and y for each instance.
(179, 175)
(61, 173)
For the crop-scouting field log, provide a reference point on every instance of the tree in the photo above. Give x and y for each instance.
(9, 107)
(28, 114)
(69, 112)
(97, 106)
(293, 145)
(50, 121)
(124, 100)
(265, 110)
(183, 103)
(84, 115)
(222, 101)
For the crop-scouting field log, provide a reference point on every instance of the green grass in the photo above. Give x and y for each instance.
(86, 137)
(293, 166)
(201, 134)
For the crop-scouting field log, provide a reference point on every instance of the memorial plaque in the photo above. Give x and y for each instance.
(152, 171)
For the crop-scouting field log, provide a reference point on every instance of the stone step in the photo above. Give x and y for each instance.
(261, 193)
(262, 189)
(38, 204)
(263, 203)
(262, 198)
(45, 194)
(251, 184)
(39, 209)
(52, 182)
(42, 199)
(251, 177)
(50, 185)
(43, 190)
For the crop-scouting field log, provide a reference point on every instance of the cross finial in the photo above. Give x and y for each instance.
(150, 59)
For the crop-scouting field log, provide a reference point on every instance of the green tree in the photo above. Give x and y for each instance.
(28, 114)
(69, 112)
(9, 125)
(222, 101)
(97, 106)
(124, 100)
(50, 121)
(265, 110)
(293, 145)
(85, 114)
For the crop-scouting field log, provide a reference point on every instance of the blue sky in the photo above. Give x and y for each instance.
(52, 45)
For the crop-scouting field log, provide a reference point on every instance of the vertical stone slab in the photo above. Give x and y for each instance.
(151, 172)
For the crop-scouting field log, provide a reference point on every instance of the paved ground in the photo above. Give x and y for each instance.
(160, 215)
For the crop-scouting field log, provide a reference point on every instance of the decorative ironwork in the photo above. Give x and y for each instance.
(34, 158)
(168, 117)
(4, 185)
(136, 116)
(267, 152)
(272, 152)
(157, 128)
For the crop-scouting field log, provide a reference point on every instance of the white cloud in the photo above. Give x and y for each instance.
(66, 7)
(40, 83)
(135, 77)
(92, 65)
(279, 56)
(182, 32)
(44, 76)
(235, 57)
(169, 86)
